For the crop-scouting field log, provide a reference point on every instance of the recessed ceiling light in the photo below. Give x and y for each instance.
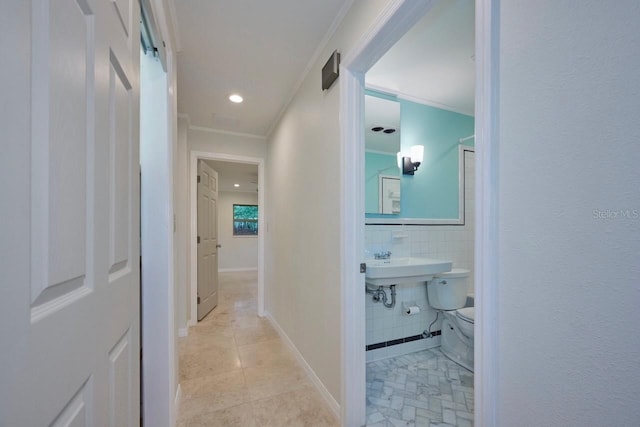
(235, 98)
(236, 185)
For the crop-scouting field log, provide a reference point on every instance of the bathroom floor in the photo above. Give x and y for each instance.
(235, 370)
(422, 389)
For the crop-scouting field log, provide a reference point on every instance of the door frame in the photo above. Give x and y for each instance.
(194, 156)
(394, 21)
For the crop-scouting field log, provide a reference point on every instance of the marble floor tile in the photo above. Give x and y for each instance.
(266, 354)
(204, 363)
(235, 416)
(254, 334)
(218, 384)
(300, 408)
(235, 370)
(419, 389)
(268, 382)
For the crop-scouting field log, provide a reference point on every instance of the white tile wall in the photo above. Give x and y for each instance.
(450, 242)
(385, 324)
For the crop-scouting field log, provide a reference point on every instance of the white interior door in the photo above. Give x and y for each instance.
(72, 358)
(207, 239)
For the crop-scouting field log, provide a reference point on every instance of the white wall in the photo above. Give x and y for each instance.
(181, 207)
(237, 252)
(201, 139)
(569, 288)
(303, 212)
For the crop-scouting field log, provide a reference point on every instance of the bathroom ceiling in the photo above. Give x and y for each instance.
(381, 113)
(434, 62)
(259, 49)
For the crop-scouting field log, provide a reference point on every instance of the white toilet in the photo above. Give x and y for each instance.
(448, 292)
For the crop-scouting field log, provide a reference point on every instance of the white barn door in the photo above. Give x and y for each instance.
(73, 352)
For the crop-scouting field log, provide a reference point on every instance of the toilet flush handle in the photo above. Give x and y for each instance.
(443, 282)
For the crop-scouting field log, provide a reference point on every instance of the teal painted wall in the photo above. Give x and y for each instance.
(433, 191)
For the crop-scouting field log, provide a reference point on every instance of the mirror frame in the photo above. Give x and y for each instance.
(434, 221)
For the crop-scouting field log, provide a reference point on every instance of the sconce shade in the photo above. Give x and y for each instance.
(410, 163)
(417, 153)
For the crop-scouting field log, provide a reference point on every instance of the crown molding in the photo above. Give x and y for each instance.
(314, 58)
(186, 117)
(416, 99)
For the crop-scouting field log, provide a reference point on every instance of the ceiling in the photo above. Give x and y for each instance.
(259, 49)
(230, 173)
(434, 62)
(383, 113)
(263, 50)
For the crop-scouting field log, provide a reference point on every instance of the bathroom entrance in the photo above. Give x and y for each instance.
(436, 217)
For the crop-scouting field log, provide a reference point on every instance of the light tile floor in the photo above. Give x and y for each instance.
(235, 370)
(422, 389)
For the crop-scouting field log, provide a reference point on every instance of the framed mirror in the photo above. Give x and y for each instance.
(435, 193)
(428, 75)
(382, 142)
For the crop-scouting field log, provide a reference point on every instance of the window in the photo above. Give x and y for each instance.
(245, 220)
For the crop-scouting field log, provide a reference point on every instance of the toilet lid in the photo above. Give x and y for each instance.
(468, 314)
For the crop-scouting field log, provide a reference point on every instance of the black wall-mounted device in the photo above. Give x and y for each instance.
(331, 70)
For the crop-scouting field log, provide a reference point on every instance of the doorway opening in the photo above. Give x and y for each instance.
(392, 24)
(224, 162)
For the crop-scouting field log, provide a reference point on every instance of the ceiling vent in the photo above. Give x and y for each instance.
(383, 130)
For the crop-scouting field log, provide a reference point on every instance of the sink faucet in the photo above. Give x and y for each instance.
(382, 255)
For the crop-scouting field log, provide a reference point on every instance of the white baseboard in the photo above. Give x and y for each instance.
(234, 270)
(333, 404)
(183, 332)
(176, 404)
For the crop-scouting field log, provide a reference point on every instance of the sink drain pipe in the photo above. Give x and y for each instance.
(380, 295)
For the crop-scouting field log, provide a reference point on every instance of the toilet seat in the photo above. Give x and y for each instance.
(466, 314)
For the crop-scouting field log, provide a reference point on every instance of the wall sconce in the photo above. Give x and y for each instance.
(409, 163)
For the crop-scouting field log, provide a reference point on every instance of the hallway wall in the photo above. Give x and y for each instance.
(202, 139)
(569, 204)
(303, 211)
(237, 253)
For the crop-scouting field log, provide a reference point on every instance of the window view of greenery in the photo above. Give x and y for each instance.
(245, 220)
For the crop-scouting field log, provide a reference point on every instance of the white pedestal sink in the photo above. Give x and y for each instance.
(396, 271)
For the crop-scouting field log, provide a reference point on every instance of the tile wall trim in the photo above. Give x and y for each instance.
(402, 340)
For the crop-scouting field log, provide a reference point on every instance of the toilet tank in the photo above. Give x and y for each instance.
(448, 291)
